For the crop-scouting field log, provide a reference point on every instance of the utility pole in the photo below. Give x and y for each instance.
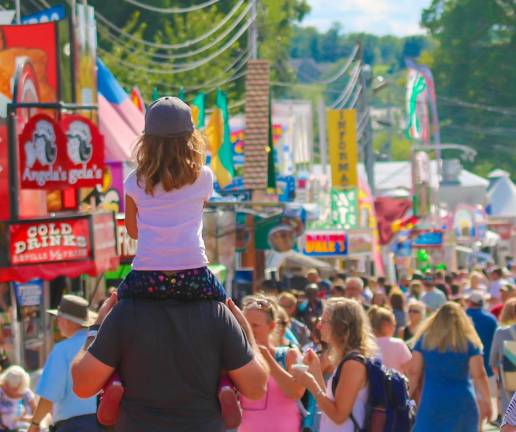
(323, 145)
(367, 136)
(253, 31)
(18, 11)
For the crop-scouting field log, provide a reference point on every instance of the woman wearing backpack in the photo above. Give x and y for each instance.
(344, 326)
(448, 352)
(504, 335)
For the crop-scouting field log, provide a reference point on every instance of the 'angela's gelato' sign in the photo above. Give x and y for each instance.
(60, 155)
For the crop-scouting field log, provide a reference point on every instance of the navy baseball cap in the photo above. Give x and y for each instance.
(168, 116)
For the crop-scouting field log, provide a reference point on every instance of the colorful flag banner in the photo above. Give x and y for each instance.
(199, 111)
(343, 149)
(219, 137)
(137, 100)
(417, 107)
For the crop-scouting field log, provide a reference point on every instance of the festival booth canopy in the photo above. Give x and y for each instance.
(502, 198)
(295, 262)
(120, 121)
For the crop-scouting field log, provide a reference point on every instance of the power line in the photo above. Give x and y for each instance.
(185, 44)
(458, 102)
(204, 48)
(190, 66)
(349, 62)
(171, 10)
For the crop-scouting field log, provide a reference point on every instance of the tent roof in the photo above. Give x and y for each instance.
(296, 259)
(502, 198)
(398, 175)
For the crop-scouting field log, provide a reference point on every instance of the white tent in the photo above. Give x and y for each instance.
(502, 198)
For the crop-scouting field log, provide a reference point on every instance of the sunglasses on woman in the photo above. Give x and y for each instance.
(414, 311)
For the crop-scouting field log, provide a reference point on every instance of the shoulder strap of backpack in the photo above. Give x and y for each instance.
(353, 355)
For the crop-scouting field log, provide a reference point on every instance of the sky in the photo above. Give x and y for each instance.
(380, 17)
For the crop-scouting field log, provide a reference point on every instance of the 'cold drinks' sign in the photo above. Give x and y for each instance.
(55, 241)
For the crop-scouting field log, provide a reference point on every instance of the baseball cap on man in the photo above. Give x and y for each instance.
(75, 309)
(168, 116)
(477, 297)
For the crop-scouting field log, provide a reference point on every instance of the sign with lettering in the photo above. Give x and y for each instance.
(344, 208)
(343, 149)
(85, 151)
(325, 244)
(29, 293)
(126, 245)
(49, 241)
(58, 156)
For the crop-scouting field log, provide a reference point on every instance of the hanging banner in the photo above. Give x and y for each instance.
(325, 244)
(344, 208)
(343, 149)
(49, 241)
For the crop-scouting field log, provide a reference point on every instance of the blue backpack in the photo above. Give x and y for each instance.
(389, 407)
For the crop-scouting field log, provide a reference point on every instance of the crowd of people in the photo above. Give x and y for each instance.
(448, 333)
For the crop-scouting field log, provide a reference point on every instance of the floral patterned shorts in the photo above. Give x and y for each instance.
(189, 285)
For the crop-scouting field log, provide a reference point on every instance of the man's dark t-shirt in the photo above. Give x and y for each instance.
(170, 355)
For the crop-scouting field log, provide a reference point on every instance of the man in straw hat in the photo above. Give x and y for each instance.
(70, 413)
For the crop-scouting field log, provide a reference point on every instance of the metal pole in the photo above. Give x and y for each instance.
(368, 145)
(323, 144)
(253, 32)
(18, 12)
(12, 144)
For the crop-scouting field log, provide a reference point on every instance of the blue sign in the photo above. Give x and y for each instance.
(286, 188)
(429, 239)
(29, 293)
(55, 13)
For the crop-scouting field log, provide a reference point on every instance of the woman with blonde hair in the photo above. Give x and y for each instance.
(280, 404)
(448, 352)
(345, 327)
(395, 354)
(505, 332)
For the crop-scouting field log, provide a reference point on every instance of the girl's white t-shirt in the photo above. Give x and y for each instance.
(170, 224)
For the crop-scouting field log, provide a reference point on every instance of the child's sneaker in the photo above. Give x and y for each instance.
(230, 407)
(110, 398)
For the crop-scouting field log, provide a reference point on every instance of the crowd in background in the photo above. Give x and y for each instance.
(449, 333)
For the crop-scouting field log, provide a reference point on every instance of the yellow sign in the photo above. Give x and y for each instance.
(343, 149)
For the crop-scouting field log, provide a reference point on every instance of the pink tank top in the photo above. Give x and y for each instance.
(275, 412)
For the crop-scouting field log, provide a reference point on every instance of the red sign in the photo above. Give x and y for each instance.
(43, 163)
(104, 236)
(49, 241)
(54, 156)
(85, 151)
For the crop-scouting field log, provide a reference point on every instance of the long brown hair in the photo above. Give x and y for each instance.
(173, 162)
(350, 327)
(449, 328)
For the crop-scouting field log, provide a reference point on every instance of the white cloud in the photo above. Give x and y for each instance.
(399, 17)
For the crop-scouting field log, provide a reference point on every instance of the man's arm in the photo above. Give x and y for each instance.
(250, 379)
(43, 408)
(88, 373)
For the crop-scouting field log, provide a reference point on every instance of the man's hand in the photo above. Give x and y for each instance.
(105, 309)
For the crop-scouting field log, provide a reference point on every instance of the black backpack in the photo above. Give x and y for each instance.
(389, 407)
